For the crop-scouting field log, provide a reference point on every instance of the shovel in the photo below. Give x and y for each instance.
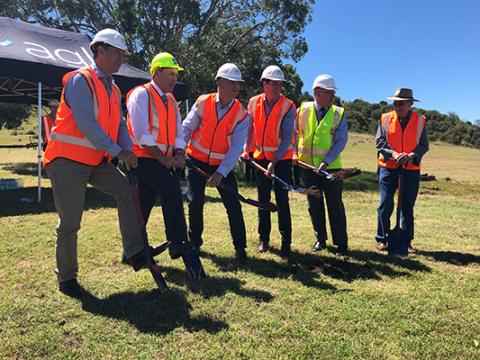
(397, 237)
(301, 190)
(150, 252)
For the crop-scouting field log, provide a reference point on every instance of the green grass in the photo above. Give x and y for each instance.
(365, 306)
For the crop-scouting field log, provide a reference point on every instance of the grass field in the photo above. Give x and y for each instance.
(364, 306)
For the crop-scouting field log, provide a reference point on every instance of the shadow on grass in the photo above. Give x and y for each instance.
(24, 201)
(451, 257)
(366, 181)
(151, 311)
(24, 169)
(307, 268)
(272, 269)
(216, 286)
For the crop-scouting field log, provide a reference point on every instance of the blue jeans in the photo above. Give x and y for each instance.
(388, 182)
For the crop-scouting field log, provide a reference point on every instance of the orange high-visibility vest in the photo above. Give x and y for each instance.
(266, 130)
(210, 142)
(162, 122)
(401, 140)
(66, 139)
(47, 124)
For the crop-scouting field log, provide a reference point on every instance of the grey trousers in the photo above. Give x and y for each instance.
(69, 182)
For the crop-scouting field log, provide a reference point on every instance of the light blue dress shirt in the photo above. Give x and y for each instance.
(192, 122)
(79, 97)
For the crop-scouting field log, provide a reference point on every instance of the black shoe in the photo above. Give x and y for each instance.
(262, 247)
(319, 246)
(178, 249)
(285, 252)
(341, 251)
(124, 260)
(139, 260)
(71, 288)
(241, 255)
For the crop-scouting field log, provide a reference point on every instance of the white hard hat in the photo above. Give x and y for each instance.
(111, 37)
(273, 72)
(324, 81)
(229, 71)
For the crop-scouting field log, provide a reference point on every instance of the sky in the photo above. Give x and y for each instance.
(371, 47)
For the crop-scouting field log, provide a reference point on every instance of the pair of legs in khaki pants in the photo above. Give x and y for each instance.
(69, 182)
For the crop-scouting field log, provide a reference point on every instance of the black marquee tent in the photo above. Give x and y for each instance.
(33, 60)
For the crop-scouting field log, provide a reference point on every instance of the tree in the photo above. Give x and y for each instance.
(201, 34)
(12, 115)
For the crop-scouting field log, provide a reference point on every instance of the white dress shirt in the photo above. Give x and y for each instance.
(138, 110)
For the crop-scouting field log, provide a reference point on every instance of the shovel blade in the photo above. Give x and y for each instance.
(398, 242)
(193, 265)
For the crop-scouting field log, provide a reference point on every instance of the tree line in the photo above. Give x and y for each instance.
(363, 117)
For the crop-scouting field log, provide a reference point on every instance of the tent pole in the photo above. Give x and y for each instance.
(39, 166)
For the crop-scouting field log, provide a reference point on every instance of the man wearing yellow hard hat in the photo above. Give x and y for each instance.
(154, 124)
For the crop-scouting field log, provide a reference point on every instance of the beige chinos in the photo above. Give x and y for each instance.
(69, 182)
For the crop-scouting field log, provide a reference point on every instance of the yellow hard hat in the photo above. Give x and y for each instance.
(164, 60)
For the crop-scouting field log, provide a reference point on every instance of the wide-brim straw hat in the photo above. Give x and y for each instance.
(403, 94)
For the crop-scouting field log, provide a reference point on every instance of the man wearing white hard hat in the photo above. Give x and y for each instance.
(270, 137)
(89, 132)
(215, 130)
(322, 135)
(401, 142)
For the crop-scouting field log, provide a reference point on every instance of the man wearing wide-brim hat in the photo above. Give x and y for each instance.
(401, 142)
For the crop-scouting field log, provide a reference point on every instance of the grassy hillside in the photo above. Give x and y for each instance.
(364, 306)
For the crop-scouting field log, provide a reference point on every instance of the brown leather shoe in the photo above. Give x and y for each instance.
(381, 246)
(262, 247)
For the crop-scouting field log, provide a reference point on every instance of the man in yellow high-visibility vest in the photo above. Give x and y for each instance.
(322, 132)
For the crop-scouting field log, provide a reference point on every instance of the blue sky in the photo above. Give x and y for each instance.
(371, 47)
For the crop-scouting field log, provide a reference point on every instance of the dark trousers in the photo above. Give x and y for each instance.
(388, 182)
(283, 169)
(249, 170)
(153, 179)
(196, 200)
(332, 191)
(296, 175)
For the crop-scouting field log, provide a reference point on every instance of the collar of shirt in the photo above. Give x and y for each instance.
(160, 92)
(318, 107)
(217, 99)
(100, 74)
(267, 105)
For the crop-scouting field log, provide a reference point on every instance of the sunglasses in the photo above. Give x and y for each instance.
(322, 91)
(399, 103)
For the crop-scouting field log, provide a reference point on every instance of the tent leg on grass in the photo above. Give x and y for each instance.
(39, 164)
